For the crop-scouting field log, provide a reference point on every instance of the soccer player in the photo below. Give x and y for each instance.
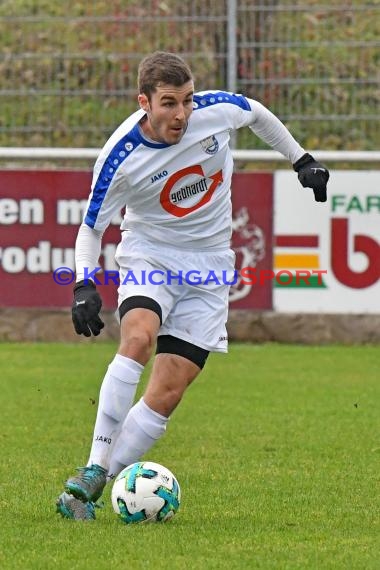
(170, 165)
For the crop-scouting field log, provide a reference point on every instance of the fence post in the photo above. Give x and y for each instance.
(232, 53)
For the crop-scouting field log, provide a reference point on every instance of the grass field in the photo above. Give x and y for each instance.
(276, 449)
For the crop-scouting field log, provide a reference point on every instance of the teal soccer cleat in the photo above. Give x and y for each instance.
(71, 508)
(89, 484)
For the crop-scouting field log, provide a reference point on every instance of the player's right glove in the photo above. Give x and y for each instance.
(313, 174)
(85, 309)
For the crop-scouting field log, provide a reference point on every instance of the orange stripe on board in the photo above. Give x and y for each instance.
(296, 261)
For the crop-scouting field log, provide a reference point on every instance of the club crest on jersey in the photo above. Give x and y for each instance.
(210, 145)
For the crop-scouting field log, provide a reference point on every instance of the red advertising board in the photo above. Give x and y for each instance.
(40, 212)
(252, 236)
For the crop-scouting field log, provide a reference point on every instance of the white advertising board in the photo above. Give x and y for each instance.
(331, 249)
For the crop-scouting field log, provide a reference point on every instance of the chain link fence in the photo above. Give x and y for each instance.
(68, 71)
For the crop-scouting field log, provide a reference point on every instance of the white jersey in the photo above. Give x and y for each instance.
(178, 194)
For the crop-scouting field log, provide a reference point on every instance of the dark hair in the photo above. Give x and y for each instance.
(162, 67)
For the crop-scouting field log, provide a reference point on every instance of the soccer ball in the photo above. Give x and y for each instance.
(145, 491)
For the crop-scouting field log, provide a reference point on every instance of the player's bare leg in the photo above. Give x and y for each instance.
(147, 420)
(171, 375)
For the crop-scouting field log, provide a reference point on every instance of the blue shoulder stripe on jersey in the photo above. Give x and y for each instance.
(207, 99)
(122, 149)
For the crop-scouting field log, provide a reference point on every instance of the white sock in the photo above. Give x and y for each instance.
(141, 429)
(115, 400)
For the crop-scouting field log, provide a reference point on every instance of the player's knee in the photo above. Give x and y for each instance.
(138, 345)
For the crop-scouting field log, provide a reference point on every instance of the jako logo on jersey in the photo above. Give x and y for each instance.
(104, 439)
(168, 199)
(159, 176)
(210, 145)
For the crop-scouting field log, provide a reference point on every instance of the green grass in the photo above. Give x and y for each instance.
(276, 449)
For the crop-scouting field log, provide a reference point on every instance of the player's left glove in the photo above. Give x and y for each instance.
(313, 174)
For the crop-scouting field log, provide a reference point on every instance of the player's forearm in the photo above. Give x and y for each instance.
(87, 251)
(272, 131)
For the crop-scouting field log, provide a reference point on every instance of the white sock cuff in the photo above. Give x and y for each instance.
(125, 369)
(153, 412)
(151, 422)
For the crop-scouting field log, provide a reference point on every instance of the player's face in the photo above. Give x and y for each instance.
(167, 112)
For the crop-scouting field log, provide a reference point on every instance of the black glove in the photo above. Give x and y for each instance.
(85, 309)
(312, 174)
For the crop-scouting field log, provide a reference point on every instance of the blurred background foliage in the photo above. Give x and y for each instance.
(68, 70)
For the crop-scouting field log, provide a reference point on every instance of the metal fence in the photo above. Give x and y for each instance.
(68, 70)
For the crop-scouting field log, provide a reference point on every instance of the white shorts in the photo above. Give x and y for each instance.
(191, 288)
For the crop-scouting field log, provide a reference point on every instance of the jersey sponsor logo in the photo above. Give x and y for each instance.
(189, 190)
(173, 193)
(210, 145)
(159, 176)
